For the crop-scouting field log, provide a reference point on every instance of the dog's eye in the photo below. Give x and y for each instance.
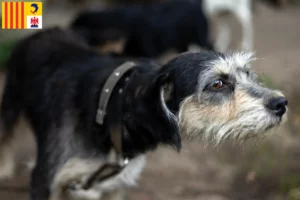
(218, 84)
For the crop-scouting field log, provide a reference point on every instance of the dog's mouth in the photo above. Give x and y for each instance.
(274, 123)
(242, 132)
(254, 122)
(280, 119)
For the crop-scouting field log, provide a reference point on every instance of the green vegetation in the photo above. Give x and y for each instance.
(294, 194)
(5, 50)
(290, 183)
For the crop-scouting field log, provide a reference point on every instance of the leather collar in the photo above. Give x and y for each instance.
(105, 94)
(110, 169)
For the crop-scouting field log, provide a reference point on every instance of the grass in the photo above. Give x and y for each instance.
(294, 194)
(290, 184)
(5, 50)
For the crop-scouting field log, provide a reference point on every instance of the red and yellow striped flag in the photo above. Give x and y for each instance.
(22, 15)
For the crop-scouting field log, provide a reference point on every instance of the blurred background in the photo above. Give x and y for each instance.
(268, 169)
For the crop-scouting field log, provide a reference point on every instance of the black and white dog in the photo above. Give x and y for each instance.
(153, 29)
(56, 83)
(147, 30)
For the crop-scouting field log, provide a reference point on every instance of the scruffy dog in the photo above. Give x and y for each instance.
(56, 83)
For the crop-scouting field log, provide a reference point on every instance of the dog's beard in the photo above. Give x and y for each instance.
(218, 123)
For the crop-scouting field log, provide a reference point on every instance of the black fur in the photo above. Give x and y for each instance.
(55, 81)
(150, 30)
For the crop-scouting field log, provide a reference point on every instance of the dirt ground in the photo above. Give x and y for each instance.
(258, 170)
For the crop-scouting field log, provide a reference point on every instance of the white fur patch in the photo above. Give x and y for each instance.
(233, 62)
(169, 114)
(76, 170)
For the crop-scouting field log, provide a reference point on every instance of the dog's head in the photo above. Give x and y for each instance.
(218, 96)
(207, 94)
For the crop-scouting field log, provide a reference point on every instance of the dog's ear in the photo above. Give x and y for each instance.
(150, 115)
(163, 89)
(162, 79)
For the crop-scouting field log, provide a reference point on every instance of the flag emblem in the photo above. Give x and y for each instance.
(34, 22)
(22, 15)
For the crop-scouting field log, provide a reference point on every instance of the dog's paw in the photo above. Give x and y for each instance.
(76, 191)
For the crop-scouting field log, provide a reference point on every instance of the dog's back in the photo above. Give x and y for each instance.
(169, 26)
(97, 27)
(42, 60)
(27, 60)
(31, 59)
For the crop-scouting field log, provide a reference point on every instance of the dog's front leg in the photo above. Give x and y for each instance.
(75, 191)
(39, 185)
(81, 194)
(70, 178)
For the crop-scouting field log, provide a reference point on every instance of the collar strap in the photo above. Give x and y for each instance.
(111, 82)
(108, 89)
(110, 169)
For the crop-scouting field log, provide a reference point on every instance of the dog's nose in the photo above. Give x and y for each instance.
(277, 105)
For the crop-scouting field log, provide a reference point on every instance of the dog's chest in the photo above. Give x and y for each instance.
(76, 171)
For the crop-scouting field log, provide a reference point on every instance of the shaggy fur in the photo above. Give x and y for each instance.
(56, 88)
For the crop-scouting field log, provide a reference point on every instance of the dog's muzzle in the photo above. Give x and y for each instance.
(277, 106)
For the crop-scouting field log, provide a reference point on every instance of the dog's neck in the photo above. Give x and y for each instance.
(141, 116)
(108, 88)
(145, 109)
